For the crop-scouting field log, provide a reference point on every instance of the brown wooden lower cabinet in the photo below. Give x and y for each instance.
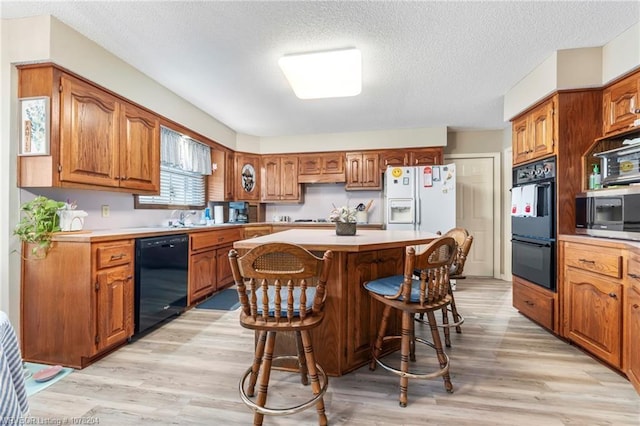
(535, 302)
(77, 302)
(593, 314)
(593, 296)
(364, 313)
(632, 320)
(209, 269)
(342, 343)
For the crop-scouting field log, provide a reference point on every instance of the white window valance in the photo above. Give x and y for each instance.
(178, 150)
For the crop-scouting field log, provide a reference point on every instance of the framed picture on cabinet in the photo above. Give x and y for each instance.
(34, 125)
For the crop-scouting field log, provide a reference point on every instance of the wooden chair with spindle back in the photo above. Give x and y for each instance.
(424, 293)
(281, 287)
(463, 243)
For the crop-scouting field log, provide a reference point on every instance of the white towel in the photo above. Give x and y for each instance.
(529, 200)
(516, 201)
(13, 394)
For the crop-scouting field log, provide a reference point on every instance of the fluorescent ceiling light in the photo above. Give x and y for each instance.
(330, 74)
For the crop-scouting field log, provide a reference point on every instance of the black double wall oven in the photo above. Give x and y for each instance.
(533, 238)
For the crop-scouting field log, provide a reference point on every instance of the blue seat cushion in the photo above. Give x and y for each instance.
(390, 286)
(284, 294)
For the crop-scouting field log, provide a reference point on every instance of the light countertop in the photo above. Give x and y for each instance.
(326, 239)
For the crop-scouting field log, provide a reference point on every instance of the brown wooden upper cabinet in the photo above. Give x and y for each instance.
(247, 177)
(280, 178)
(410, 157)
(220, 182)
(621, 104)
(363, 171)
(535, 133)
(321, 167)
(97, 140)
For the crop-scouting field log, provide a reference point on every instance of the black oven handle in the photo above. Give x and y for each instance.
(513, 240)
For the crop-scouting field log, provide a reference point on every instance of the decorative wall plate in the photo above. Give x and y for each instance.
(248, 178)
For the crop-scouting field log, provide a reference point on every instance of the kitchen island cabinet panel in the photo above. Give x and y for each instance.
(342, 341)
(365, 313)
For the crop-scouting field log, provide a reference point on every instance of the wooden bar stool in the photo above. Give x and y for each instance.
(428, 293)
(463, 244)
(281, 287)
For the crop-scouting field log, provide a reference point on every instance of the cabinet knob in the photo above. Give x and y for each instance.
(612, 294)
(636, 111)
(636, 306)
(124, 178)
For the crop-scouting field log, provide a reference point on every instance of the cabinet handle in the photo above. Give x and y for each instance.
(117, 256)
(129, 277)
(593, 262)
(124, 178)
(612, 294)
(528, 302)
(636, 276)
(636, 306)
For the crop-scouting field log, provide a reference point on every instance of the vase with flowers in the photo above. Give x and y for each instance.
(345, 219)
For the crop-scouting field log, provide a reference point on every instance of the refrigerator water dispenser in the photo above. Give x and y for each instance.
(400, 211)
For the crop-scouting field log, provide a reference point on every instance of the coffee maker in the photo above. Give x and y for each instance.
(239, 212)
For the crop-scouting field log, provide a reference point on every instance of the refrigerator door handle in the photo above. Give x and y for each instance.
(416, 200)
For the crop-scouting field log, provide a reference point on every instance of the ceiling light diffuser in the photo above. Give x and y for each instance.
(330, 74)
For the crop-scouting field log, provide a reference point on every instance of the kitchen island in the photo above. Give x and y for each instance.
(342, 341)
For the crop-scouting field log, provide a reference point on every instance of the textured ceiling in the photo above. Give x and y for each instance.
(425, 64)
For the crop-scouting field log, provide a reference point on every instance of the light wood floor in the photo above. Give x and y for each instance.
(505, 370)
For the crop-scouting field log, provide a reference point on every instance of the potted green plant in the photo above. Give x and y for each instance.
(38, 223)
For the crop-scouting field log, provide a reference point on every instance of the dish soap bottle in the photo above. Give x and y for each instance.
(595, 180)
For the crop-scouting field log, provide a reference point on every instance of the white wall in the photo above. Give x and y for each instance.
(397, 138)
(320, 198)
(575, 68)
(478, 141)
(621, 54)
(45, 39)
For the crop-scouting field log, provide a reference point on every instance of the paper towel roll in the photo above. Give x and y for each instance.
(218, 214)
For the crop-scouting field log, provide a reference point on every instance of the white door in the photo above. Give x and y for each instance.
(475, 211)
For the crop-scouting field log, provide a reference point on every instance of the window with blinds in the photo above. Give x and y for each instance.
(184, 165)
(178, 188)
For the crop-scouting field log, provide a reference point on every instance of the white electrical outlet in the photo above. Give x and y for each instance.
(105, 211)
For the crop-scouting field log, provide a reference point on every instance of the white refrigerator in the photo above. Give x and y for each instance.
(421, 198)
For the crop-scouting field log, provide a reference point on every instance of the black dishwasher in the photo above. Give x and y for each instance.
(161, 279)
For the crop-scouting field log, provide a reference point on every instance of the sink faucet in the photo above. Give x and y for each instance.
(184, 215)
(181, 217)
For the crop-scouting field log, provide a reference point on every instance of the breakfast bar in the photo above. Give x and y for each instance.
(342, 341)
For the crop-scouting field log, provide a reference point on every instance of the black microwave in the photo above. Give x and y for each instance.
(609, 214)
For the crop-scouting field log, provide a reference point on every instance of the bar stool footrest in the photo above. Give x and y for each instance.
(322, 377)
(448, 325)
(438, 373)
